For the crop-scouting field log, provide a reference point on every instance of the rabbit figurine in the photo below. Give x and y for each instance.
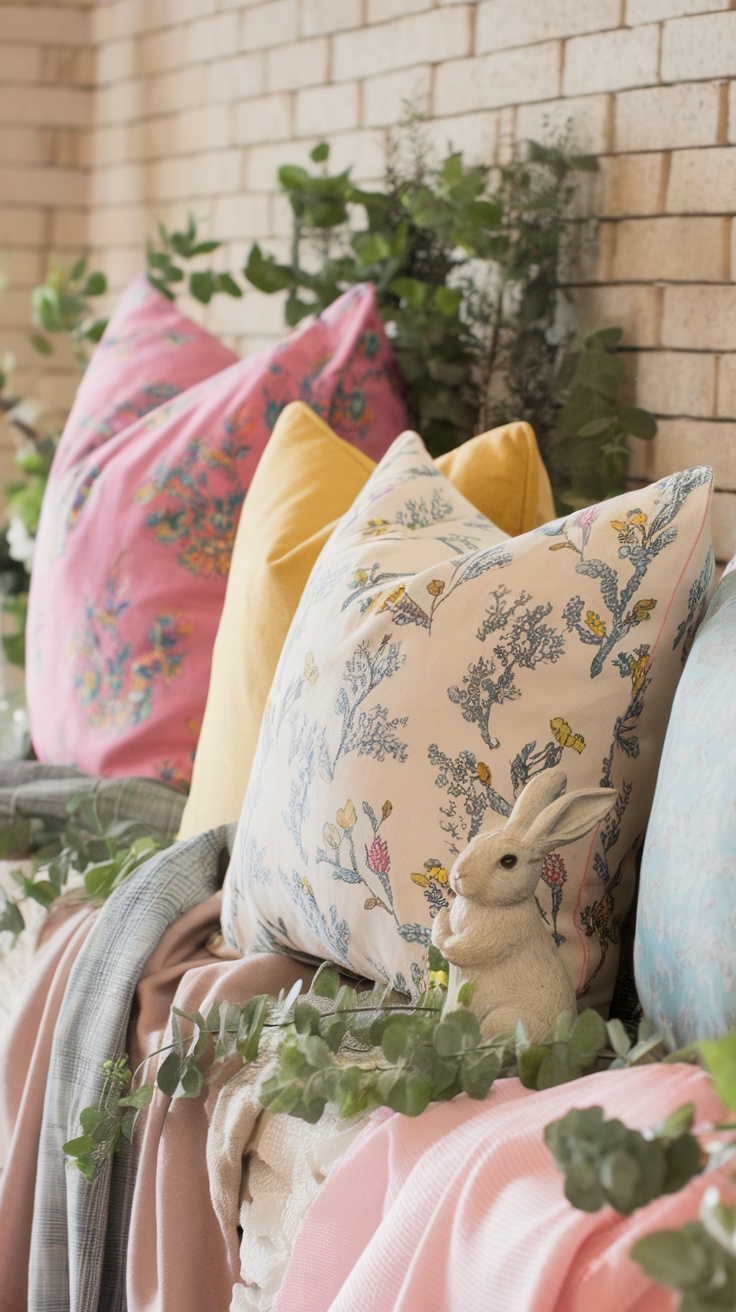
(492, 933)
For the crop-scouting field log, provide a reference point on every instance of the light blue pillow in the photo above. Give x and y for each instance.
(685, 947)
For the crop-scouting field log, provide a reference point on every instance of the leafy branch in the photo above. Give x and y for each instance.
(164, 265)
(103, 856)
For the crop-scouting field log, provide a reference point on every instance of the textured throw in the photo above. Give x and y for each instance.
(79, 1233)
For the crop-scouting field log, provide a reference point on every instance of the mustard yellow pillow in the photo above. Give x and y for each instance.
(306, 479)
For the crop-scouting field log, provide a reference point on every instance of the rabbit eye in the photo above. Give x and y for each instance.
(509, 861)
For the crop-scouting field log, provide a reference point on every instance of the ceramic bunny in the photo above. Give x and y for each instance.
(492, 932)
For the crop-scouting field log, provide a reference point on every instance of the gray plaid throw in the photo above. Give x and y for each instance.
(29, 788)
(79, 1232)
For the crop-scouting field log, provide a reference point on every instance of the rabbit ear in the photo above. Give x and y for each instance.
(538, 794)
(568, 818)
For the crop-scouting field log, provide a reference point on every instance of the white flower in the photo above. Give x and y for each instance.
(21, 545)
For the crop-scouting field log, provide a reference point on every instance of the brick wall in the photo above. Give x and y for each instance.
(197, 102)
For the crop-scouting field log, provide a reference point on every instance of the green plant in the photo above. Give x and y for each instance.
(102, 855)
(63, 305)
(466, 263)
(165, 271)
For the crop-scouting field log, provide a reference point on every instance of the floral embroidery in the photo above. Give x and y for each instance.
(199, 522)
(554, 875)
(118, 688)
(434, 883)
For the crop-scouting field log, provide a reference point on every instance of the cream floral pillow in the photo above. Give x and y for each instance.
(431, 669)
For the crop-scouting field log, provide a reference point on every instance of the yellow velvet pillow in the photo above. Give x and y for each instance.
(306, 479)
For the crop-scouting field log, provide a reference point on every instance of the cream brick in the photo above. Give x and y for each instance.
(159, 51)
(237, 78)
(611, 60)
(303, 64)
(270, 24)
(64, 147)
(267, 118)
(204, 128)
(108, 22)
(121, 184)
(320, 17)
(215, 173)
(418, 39)
(653, 11)
(667, 118)
(19, 63)
(241, 216)
(118, 226)
(676, 382)
(116, 60)
(385, 96)
(364, 151)
(166, 93)
(167, 13)
(21, 226)
(587, 116)
(382, 11)
(320, 108)
(24, 23)
(24, 268)
(281, 223)
(526, 22)
(110, 145)
(21, 146)
(509, 78)
(121, 267)
(65, 66)
(681, 443)
(699, 318)
(699, 47)
(66, 106)
(119, 103)
(263, 163)
(69, 230)
(15, 308)
(676, 250)
(726, 402)
(732, 112)
(636, 308)
(702, 181)
(724, 521)
(152, 138)
(476, 135)
(43, 186)
(630, 184)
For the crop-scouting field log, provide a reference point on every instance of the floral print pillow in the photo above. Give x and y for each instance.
(430, 671)
(684, 957)
(139, 520)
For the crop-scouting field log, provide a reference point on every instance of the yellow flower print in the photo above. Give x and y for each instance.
(483, 772)
(307, 886)
(311, 672)
(432, 870)
(436, 588)
(393, 597)
(595, 623)
(376, 527)
(565, 736)
(360, 577)
(640, 611)
(639, 669)
(347, 817)
(332, 835)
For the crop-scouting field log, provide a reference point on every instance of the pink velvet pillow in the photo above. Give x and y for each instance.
(138, 523)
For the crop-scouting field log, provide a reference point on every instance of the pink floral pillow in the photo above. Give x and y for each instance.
(139, 520)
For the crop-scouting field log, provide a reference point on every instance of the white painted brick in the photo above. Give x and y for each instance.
(699, 47)
(699, 318)
(418, 39)
(20, 226)
(682, 443)
(385, 96)
(119, 103)
(114, 20)
(508, 78)
(238, 78)
(167, 13)
(212, 38)
(726, 404)
(667, 118)
(204, 128)
(365, 151)
(122, 266)
(323, 17)
(120, 184)
(281, 222)
(322, 108)
(241, 216)
(159, 51)
(118, 226)
(676, 382)
(702, 181)
(65, 106)
(676, 250)
(588, 117)
(476, 135)
(19, 63)
(382, 11)
(152, 138)
(526, 22)
(43, 186)
(166, 93)
(267, 118)
(653, 11)
(116, 60)
(611, 60)
(636, 308)
(630, 185)
(302, 64)
(270, 24)
(216, 173)
(24, 23)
